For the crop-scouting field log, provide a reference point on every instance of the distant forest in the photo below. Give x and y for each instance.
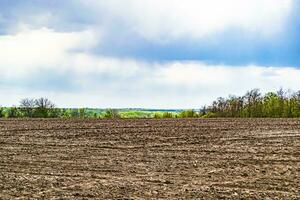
(280, 104)
(254, 104)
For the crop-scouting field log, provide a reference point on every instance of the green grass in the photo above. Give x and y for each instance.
(136, 114)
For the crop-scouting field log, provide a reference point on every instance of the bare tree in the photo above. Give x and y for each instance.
(44, 103)
(27, 107)
(297, 95)
(43, 107)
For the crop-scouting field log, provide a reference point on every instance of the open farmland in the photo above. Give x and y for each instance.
(144, 159)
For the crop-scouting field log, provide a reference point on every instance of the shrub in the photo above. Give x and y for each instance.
(135, 114)
(82, 113)
(54, 113)
(210, 115)
(188, 114)
(1, 112)
(157, 115)
(12, 112)
(167, 115)
(112, 114)
(95, 115)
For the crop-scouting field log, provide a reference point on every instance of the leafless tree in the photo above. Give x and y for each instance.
(44, 103)
(44, 107)
(27, 106)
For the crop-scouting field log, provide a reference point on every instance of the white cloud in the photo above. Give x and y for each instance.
(223, 80)
(113, 82)
(31, 50)
(163, 20)
(170, 85)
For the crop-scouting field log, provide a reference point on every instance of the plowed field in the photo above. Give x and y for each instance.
(150, 159)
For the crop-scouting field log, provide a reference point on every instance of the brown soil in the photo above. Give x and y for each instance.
(150, 159)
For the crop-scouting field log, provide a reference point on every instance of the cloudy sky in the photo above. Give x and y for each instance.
(146, 53)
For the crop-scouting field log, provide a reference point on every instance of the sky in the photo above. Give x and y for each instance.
(146, 53)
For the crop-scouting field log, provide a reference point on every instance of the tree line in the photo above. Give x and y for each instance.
(254, 104)
(44, 108)
(280, 104)
(40, 108)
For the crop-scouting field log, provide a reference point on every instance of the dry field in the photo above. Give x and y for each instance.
(150, 159)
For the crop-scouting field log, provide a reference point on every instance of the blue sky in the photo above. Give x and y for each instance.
(146, 53)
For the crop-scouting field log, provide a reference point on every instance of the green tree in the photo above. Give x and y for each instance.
(82, 113)
(281, 101)
(1, 112)
(271, 105)
(167, 115)
(54, 113)
(254, 103)
(12, 112)
(157, 115)
(188, 114)
(112, 114)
